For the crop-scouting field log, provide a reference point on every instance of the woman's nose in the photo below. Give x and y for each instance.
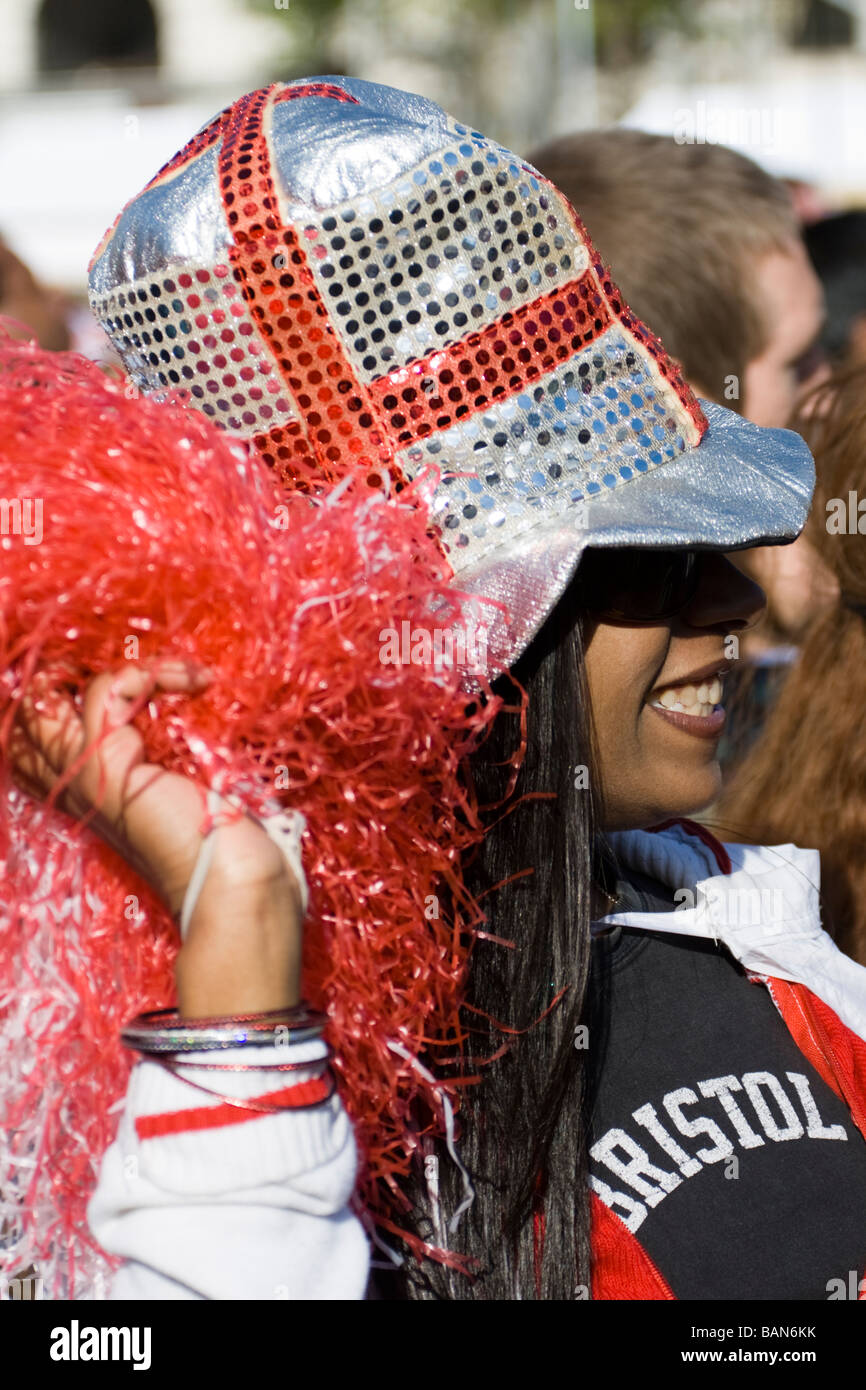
(725, 597)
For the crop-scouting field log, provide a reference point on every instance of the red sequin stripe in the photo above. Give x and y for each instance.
(209, 136)
(338, 432)
(303, 1093)
(669, 368)
(500, 359)
(315, 89)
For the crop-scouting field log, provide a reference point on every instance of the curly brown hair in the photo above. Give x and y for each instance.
(805, 779)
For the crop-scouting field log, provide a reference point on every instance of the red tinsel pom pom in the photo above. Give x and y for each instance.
(133, 530)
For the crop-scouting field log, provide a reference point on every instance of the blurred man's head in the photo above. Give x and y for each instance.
(837, 247)
(707, 252)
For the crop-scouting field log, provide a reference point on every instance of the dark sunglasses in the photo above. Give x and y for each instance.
(635, 585)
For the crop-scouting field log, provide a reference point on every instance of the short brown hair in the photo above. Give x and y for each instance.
(681, 226)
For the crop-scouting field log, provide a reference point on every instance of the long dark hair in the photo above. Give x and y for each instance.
(523, 1127)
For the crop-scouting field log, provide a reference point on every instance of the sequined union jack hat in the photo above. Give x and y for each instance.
(358, 283)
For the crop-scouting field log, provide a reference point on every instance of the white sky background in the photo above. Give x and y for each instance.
(70, 160)
(68, 164)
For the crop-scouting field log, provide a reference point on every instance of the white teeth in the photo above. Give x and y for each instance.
(702, 711)
(697, 701)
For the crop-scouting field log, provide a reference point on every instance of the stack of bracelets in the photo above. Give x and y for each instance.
(166, 1038)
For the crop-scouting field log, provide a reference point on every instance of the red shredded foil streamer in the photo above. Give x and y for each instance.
(162, 536)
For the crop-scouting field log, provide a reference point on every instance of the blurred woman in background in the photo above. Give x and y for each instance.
(805, 779)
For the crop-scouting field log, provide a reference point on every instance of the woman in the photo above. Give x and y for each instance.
(621, 653)
(805, 778)
(651, 761)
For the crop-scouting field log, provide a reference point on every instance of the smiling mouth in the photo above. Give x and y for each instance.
(698, 701)
(695, 707)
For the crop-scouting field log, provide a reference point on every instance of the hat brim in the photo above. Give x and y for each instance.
(743, 485)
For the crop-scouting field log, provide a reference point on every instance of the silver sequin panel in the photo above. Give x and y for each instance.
(190, 330)
(598, 421)
(459, 241)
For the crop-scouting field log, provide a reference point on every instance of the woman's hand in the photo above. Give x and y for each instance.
(243, 946)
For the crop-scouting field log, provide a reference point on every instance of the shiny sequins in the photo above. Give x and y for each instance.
(461, 240)
(434, 392)
(315, 89)
(193, 332)
(337, 428)
(587, 427)
(454, 315)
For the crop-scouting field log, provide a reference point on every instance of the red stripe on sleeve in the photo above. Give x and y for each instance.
(216, 1116)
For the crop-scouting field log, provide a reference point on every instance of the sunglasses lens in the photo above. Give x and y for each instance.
(643, 585)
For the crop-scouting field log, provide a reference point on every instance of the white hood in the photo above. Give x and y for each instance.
(766, 911)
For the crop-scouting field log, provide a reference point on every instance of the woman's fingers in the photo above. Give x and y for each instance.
(110, 702)
(51, 723)
(243, 949)
(95, 760)
(32, 770)
(111, 697)
(56, 737)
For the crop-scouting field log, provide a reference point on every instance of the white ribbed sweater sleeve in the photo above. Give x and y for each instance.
(255, 1210)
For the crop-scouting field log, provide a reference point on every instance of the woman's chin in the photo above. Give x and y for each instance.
(697, 797)
(690, 800)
